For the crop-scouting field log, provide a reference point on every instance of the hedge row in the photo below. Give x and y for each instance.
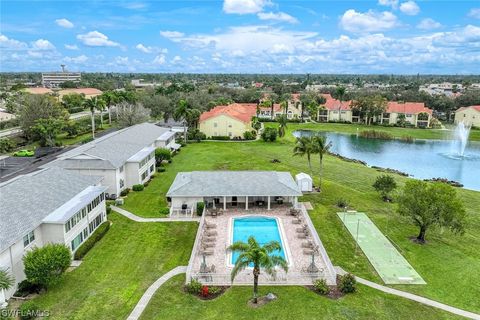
(90, 242)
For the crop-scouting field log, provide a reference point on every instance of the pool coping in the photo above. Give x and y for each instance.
(281, 232)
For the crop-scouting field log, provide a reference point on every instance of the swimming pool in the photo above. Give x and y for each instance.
(264, 229)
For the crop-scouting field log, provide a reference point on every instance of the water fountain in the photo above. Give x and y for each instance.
(462, 131)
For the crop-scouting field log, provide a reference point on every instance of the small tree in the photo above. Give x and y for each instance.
(432, 204)
(162, 154)
(282, 125)
(6, 279)
(130, 114)
(45, 265)
(47, 130)
(385, 184)
(269, 135)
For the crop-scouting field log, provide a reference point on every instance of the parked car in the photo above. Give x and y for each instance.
(24, 153)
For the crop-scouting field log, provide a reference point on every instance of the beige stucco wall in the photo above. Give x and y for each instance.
(469, 116)
(223, 125)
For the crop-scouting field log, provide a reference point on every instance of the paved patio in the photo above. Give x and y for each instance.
(298, 260)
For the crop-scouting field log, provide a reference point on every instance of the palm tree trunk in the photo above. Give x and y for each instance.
(310, 165)
(320, 178)
(109, 115)
(93, 125)
(255, 285)
(101, 118)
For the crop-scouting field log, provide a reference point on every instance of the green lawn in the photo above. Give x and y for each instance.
(118, 270)
(394, 131)
(170, 302)
(449, 263)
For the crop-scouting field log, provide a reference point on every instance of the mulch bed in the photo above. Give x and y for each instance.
(211, 296)
(261, 301)
(334, 293)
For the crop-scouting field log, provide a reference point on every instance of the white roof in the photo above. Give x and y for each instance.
(140, 155)
(303, 175)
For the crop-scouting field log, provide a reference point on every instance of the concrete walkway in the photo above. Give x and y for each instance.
(136, 218)
(147, 296)
(410, 296)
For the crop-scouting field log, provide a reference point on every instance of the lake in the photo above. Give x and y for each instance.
(422, 159)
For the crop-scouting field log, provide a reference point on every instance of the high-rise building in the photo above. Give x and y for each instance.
(54, 79)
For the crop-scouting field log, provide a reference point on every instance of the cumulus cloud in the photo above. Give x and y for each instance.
(388, 3)
(8, 43)
(71, 47)
(64, 23)
(277, 16)
(176, 59)
(96, 39)
(371, 21)
(410, 8)
(474, 13)
(42, 44)
(244, 6)
(160, 59)
(143, 48)
(76, 60)
(429, 24)
(171, 34)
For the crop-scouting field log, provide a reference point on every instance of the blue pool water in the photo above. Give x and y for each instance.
(264, 230)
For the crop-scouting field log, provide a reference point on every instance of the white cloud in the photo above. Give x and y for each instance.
(77, 60)
(244, 6)
(135, 5)
(474, 13)
(171, 34)
(71, 47)
(277, 16)
(143, 48)
(370, 21)
(64, 23)
(429, 24)
(96, 39)
(388, 3)
(160, 59)
(410, 8)
(121, 60)
(7, 43)
(42, 44)
(176, 59)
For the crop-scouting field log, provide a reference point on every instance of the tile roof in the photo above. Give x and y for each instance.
(39, 90)
(112, 150)
(233, 183)
(334, 104)
(85, 91)
(241, 111)
(407, 107)
(476, 108)
(26, 200)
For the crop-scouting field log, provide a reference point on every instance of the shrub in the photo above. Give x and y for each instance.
(25, 288)
(321, 286)
(220, 138)
(90, 242)
(43, 266)
(164, 211)
(161, 169)
(86, 140)
(385, 184)
(162, 154)
(214, 290)
(249, 135)
(196, 135)
(109, 209)
(347, 283)
(374, 134)
(342, 203)
(194, 287)
(124, 192)
(6, 145)
(200, 206)
(269, 134)
(138, 187)
(29, 310)
(205, 291)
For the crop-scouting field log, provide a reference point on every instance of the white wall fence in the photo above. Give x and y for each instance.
(246, 278)
(195, 245)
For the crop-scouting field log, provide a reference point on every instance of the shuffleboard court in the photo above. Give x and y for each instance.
(392, 267)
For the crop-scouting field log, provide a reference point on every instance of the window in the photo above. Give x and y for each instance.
(95, 223)
(229, 134)
(28, 238)
(152, 168)
(229, 125)
(215, 124)
(144, 174)
(121, 169)
(77, 241)
(122, 183)
(408, 115)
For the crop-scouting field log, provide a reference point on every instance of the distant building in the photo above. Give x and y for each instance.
(5, 116)
(232, 120)
(446, 88)
(469, 115)
(138, 83)
(87, 92)
(55, 79)
(293, 111)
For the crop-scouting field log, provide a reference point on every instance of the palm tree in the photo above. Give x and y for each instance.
(101, 107)
(282, 125)
(6, 280)
(321, 147)
(92, 105)
(110, 99)
(182, 112)
(304, 146)
(340, 94)
(252, 253)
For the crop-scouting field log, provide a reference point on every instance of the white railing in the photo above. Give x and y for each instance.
(179, 212)
(331, 276)
(195, 246)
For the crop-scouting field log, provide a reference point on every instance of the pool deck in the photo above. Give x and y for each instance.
(221, 258)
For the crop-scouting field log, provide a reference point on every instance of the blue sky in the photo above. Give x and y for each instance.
(242, 36)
